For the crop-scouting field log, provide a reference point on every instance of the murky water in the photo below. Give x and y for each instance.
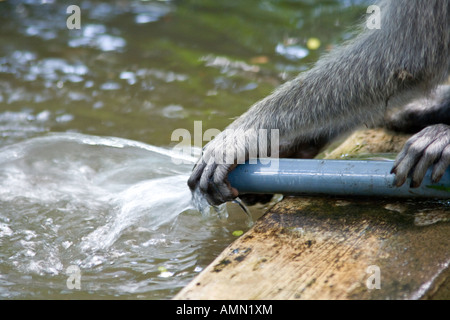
(86, 117)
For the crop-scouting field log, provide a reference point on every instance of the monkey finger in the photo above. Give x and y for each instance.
(403, 168)
(196, 174)
(219, 192)
(441, 166)
(429, 156)
(400, 178)
(219, 183)
(398, 160)
(401, 156)
(206, 177)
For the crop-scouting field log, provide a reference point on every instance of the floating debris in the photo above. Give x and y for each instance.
(313, 44)
(237, 233)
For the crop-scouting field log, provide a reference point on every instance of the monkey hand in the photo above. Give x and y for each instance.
(429, 146)
(218, 158)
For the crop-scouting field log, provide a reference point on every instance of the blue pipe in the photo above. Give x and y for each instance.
(331, 177)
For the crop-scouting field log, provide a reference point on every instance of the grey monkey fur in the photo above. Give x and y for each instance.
(352, 85)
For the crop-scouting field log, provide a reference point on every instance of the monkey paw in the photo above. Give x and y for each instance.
(211, 179)
(429, 146)
(211, 170)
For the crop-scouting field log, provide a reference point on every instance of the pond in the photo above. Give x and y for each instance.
(87, 174)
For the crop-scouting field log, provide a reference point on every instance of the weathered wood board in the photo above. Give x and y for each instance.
(316, 248)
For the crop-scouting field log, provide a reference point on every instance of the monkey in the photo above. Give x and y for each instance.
(354, 84)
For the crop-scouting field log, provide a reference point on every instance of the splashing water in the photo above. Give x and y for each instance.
(113, 207)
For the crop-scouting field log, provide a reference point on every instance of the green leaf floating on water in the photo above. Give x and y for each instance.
(162, 269)
(237, 233)
(441, 188)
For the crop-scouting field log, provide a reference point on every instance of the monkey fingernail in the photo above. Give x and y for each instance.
(399, 182)
(415, 184)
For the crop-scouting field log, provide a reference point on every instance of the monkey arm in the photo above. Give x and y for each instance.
(419, 114)
(352, 85)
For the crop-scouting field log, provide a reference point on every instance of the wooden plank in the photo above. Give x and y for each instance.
(317, 248)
